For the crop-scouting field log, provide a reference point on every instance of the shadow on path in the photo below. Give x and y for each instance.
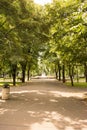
(44, 105)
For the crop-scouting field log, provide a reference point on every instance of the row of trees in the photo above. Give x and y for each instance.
(56, 32)
(68, 42)
(22, 34)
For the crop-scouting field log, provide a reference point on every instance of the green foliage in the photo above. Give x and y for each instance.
(54, 33)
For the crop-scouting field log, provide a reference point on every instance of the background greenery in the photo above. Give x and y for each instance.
(49, 40)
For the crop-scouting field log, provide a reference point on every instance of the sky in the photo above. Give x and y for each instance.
(42, 2)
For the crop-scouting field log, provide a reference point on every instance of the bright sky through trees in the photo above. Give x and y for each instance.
(42, 2)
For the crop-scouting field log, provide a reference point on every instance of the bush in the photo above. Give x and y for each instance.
(6, 85)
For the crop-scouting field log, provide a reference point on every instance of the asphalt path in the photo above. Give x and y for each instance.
(44, 104)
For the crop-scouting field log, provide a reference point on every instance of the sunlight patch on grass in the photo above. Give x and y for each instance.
(10, 83)
(79, 84)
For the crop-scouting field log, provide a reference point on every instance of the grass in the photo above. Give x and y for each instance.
(78, 84)
(10, 83)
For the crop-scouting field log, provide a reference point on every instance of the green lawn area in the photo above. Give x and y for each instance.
(10, 83)
(79, 84)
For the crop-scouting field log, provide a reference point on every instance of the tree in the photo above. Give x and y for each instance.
(66, 27)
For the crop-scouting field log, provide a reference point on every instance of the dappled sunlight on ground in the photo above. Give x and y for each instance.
(3, 110)
(55, 121)
(43, 106)
(30, 91)
(2, 101)
(55, 93)
(66, 94)
(43, 126)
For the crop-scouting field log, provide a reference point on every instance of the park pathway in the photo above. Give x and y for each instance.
(44, 104)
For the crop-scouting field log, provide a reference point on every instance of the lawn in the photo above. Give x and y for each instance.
(77, 84)
(10, 83)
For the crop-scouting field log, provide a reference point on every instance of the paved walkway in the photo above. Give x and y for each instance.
(44, 105)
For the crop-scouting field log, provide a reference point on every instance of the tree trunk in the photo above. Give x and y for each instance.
(28, 73)
(63, 73)
(71, 74)
(23, 75)
(71, 78)
(59, 71)
(77, 74)
(14, 70)
(23, 71)
(56, 71)
(14, 78)
(85, 67)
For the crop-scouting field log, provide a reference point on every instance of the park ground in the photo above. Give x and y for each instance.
(44, 104)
